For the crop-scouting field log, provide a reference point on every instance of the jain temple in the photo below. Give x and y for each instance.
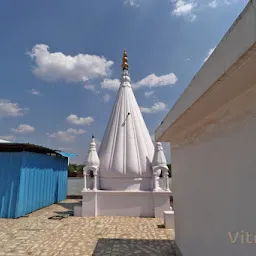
(123, 180)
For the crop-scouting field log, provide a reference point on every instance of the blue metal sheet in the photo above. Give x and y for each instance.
(43, 182)
(10, 163)
(30, 181)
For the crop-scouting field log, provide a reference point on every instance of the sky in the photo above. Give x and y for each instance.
(60, 62)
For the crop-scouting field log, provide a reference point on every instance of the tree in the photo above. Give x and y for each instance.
(79, 168)
(71, 171)
(71, 168)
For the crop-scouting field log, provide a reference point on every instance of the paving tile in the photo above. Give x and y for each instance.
(77, 236)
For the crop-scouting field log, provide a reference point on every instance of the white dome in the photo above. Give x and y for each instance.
(92, 159)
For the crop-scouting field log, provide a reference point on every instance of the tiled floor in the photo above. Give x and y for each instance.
(100, 236)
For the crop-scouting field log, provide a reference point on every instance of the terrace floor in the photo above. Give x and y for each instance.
(81, 236)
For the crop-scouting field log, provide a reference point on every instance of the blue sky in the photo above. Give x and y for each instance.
(60, 61)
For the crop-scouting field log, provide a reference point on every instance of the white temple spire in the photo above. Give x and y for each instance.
(126, 151)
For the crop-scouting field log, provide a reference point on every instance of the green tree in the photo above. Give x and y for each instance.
(71, 171)
(71, 168)
(79, 168)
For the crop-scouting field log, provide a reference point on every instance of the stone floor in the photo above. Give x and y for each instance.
(100, 236)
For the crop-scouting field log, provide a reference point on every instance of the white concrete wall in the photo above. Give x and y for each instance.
(214, 184)
(75, 185)
(238, 39)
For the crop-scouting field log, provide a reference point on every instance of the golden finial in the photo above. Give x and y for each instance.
(125, 61)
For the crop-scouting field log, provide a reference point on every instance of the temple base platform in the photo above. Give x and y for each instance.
(124, 203)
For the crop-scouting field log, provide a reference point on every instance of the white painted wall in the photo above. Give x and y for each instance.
(124, 203)
(214, 183)
(239, 38)
(75, 185)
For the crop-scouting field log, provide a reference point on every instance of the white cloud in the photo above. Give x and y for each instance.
(76, 131)
(66, 136)
(106, 98)
(213, 4)
(133, 3)
(184, 8)
(23, 128)
(74, 119)
(58, 66)
(111, 84)
(62, 136)
(91, 87)
(149, 93)
(34, 92)
(156, 81)
(209, 53)
(8, 108)
(149, 81)
(157, 107)
(8, 137)
(229, 2)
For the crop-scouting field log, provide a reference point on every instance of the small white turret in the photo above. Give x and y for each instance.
(159, 157)
(159, 164)
(91, 165)
(92, 158)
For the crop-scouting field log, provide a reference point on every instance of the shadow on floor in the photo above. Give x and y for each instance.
(70, 213)
(69, 207)
(121, 247)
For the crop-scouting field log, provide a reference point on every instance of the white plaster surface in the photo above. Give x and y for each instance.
(213, 143)
(214, 191)
(236, 42)
(125, 203)
(126, 183)
(169, 219)
(78, 210)
(126, 150)
(76, 185)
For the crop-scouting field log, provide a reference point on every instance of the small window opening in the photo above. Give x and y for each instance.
(91, 175)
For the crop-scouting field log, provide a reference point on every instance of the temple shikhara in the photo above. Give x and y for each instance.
(124, 178)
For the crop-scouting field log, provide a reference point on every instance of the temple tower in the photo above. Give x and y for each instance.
(127, 150)
(126, 173)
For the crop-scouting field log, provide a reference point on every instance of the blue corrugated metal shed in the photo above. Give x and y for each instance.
(30, 180)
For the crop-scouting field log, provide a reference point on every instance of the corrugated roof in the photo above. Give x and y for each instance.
(18, 147)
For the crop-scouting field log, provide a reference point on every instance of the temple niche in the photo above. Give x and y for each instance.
(124, 178)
